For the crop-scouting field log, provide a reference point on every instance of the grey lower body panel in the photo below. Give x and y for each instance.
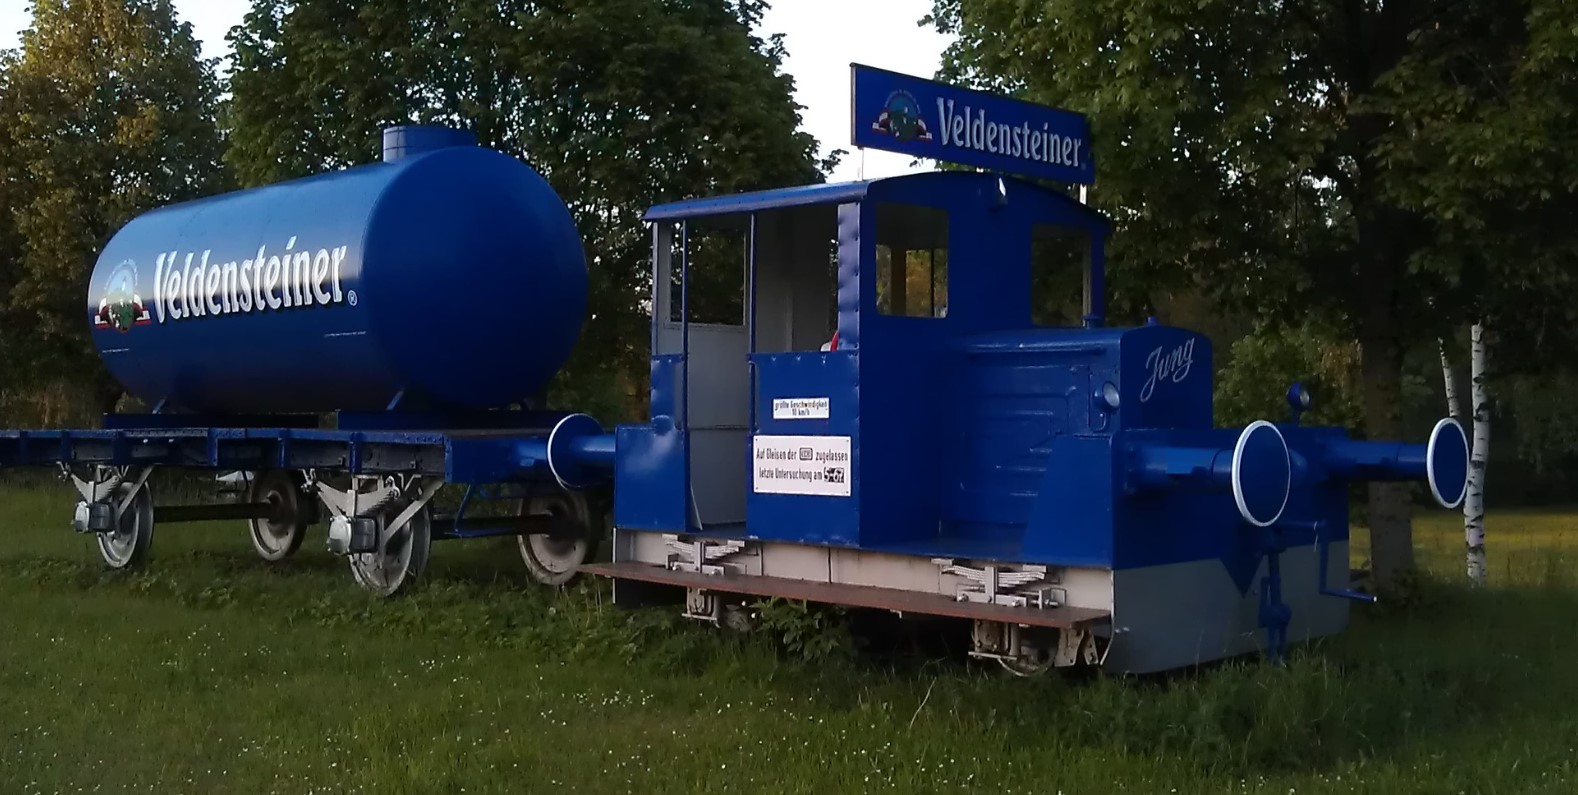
(1162, 617)
(1183, 614)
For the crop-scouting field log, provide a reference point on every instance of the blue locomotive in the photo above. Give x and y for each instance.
(873, 418)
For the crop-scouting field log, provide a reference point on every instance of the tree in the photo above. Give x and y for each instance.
(10, 243)
(108, 112)
(1253, 385)
(620, 104)
(1491, 94)
(1449, 383)
(1474, 499)
(1315, 158)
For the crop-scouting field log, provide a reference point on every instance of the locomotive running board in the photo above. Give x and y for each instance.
(866, 596)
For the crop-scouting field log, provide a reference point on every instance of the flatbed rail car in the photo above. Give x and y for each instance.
(396, 474)
(853, 401)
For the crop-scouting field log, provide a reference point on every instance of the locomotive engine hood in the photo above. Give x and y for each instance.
(1166, 378)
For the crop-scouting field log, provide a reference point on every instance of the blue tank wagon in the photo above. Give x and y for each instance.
(865, 413)
(425, 301)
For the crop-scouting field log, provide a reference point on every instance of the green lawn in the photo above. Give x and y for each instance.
(213, 673)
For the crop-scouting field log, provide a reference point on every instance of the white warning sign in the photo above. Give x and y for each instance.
(814, 465)
(815, 408)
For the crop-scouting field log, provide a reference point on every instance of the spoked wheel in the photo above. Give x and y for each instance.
(279, 536)
(127, 545)
(555, 558)
(401, 559)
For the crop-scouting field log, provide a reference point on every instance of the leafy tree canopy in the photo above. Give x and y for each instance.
(620, 104)
(1393, 166)
(1346, 156)
(107, 111)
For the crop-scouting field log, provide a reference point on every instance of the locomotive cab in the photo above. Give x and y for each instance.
(828, 312)
(901, 394)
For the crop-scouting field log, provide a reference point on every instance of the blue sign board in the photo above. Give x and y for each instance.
(905, 114)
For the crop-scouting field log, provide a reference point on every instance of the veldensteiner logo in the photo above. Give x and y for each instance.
(121, 308)
(969, 129)
(192, 286)
(964, 127)
(901, 118)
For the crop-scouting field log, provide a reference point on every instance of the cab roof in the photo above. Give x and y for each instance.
(837, 193)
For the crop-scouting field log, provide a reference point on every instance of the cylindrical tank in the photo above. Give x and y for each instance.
(447, 276)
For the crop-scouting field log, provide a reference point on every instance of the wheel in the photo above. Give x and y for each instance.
(555, 559)
(1034, 655)
(737, 618)
(1028, 665)
(278, 537)
(127, 545)
(402, 558)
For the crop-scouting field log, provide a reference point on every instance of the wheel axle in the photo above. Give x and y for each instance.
(267, 511)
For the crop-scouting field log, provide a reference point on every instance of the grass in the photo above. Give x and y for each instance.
(211, 672)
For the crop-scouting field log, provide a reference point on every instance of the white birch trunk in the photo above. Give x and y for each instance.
(1474, 502)
(1454, 408)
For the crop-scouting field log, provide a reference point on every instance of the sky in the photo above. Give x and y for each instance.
(823, 37)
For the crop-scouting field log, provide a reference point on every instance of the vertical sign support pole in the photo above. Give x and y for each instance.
(1090, 287)
(750, 323)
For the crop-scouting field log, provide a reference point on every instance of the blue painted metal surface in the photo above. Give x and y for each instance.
(802, 517)
(1256, 470)
(467, 457)
(778, 198)
(410, 140)
(450, 278)
(980, 435)
(576, 452)
(649, 473)
(909, 115)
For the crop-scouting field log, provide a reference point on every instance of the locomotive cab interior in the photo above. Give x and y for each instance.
(783, 312)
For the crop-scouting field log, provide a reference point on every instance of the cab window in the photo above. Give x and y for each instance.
(1058, 256)
(912, 260)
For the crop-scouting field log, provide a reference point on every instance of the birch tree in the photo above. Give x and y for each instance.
(1479, 451)
(1454, 407)
(1479, 458)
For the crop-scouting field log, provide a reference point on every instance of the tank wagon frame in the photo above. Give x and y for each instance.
(373, 482)
(852, 400)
